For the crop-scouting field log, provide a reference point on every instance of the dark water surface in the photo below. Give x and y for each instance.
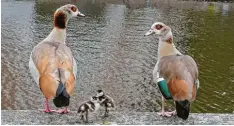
(112, 53)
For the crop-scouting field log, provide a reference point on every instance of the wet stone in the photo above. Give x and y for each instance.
(23, 117)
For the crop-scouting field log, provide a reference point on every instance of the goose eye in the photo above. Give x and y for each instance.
(158, 26)
(73, 8)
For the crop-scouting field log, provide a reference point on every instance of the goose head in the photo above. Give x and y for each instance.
(99, 93)
(64, 13)
(159, 29)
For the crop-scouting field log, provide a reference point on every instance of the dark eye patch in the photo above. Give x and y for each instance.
(99, 91)
(73, 8)
(100, 98)
(158, 26)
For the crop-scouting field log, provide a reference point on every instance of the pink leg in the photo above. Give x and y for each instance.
(163, 113)
(47, 108)
(172, 113)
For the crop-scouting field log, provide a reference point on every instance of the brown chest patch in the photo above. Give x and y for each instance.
(169, 40)
(60, 20)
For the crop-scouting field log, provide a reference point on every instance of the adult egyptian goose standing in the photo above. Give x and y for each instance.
(179, 71)
(52, 64)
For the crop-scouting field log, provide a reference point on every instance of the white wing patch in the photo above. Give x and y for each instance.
(198, 83)
(33, 70)
(82, 108)
(155, 72)
(74, 67)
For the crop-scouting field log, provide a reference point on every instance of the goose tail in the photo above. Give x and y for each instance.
(182, 109)
(62, 97)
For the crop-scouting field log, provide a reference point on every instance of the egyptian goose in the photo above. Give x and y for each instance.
(179, 71)
(52, 64)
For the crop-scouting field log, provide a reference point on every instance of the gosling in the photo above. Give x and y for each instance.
(106, 101)
(89, 106)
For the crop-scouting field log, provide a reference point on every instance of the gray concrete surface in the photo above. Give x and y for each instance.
(35, 117)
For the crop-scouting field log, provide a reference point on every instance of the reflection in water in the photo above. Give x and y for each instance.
(16, 39)
(213, 47)
(225, 9)
(113, 54)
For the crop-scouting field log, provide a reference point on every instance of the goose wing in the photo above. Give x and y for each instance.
(181, 74)
(54, 64)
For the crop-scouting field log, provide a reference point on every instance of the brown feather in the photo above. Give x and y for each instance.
(181, 73)
(48, 86)
(194, 92)
(178, 89)
(49, 57)
(60, 19)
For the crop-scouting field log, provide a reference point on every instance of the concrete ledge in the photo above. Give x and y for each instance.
(35, 117)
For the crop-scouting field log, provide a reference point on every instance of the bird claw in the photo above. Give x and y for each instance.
(173, 113)
(46, 110)
(164, 114)
(62, 111)
(167, 114)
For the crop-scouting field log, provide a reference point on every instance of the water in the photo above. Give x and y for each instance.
(112, 53)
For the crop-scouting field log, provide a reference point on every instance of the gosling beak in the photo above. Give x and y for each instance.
(150, 32)
(80, 14)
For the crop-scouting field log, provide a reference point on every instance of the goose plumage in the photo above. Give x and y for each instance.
(52, 64)
(179, 71)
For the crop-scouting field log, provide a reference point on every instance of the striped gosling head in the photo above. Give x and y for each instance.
(99, 93)
(64, 13)
(94, 99)
(104, 99)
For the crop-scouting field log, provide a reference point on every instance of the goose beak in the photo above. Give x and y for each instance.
(150, 32)
(80, 14)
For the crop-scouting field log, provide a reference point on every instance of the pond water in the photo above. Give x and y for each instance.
(112, 53)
